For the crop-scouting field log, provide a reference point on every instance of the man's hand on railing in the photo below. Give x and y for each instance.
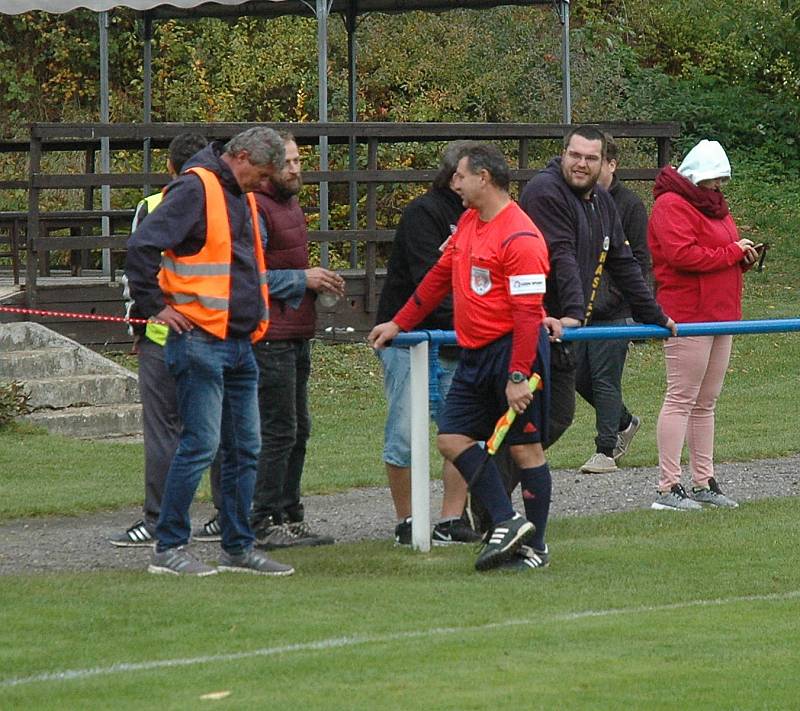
(554, 327)
(382, 334)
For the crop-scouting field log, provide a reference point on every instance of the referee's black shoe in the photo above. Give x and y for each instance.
(503, 541)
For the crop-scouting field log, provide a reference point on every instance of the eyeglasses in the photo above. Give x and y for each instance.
(578, 157)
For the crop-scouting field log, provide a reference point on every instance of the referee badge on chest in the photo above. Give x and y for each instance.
(481, 280)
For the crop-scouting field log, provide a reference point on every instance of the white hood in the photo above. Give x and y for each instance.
(705, 161)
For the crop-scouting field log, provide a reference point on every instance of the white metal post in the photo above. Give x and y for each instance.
(420, 455)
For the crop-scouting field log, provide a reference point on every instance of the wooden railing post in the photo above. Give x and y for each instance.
(371, 260)
(32, 233)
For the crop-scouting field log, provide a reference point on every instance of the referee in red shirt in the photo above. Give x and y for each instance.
(496, 265)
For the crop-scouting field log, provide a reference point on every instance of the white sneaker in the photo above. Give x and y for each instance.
(599, 463)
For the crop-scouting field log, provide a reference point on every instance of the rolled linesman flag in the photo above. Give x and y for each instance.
(504, 423)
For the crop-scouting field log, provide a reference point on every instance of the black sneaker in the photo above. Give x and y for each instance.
(527, 558)
(402, 532)
(456, 530)
(503, 541)
(140, 535)
(307, 536)
(209, 532)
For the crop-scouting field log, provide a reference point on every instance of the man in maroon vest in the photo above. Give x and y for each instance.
(284, 360)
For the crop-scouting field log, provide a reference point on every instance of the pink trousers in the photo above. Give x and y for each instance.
(696, 367)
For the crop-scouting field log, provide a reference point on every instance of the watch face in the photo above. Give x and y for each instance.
(516, 377)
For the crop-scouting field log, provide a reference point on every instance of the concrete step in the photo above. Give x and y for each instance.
(90, 422)
(77, 390)
(44, 363)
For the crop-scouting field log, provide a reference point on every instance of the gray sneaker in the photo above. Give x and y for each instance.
(251, 561)
(600, 463)
(625, 437)
(280, 536)
(308, 536)
(178, 561)
(676, 499)
(713, 495)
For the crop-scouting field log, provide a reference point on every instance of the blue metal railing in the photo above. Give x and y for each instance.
(598, 333)
(419, 341)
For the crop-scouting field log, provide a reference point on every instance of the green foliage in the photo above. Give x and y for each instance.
(743, 119)
(13, 401)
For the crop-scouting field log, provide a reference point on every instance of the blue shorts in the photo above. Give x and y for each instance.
(477, 397)
(397, 386)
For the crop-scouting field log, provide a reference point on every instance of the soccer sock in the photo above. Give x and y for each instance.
(537, 486)
(485, 482)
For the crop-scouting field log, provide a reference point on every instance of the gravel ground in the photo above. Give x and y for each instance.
(81, 543)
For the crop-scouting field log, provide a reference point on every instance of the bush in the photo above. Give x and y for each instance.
(13, 401)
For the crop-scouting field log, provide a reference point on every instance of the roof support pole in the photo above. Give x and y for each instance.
(105, 152)
(352, 115)
(566, 87)
(322, 56)
(147, 114)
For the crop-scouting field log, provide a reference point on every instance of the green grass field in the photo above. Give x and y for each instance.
(638, 610)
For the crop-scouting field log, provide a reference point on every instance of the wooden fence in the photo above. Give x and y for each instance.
(369, 163)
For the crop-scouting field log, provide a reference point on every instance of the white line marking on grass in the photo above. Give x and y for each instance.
(339, 642)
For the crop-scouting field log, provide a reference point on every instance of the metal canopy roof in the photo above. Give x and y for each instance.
(270, 8)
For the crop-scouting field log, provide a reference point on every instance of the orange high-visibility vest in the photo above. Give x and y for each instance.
(199, 285)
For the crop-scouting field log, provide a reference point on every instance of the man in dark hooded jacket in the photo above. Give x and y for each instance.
(583, 232)
(600, 363)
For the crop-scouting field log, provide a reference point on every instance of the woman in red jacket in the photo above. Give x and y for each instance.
(698, 261)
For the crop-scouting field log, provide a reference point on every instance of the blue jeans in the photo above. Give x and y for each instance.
(284, 368)
(216, 383)
(397, 387)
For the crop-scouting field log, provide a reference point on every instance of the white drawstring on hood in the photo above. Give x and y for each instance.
(707, 160)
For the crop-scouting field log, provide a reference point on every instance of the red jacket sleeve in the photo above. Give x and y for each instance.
(526, 266)
(426, 297)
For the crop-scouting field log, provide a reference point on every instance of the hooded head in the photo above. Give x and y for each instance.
(706, 161)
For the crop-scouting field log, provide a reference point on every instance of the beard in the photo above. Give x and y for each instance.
(286, 189)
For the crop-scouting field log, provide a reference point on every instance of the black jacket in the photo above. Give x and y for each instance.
(180, 224)
(610, 303)
(575, 230)
(426, 222)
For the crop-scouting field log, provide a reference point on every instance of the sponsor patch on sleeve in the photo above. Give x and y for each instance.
(521, 284)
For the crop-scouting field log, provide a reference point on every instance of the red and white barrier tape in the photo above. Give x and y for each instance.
(70, 314)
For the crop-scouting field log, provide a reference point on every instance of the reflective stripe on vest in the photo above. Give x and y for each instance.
(198, 285)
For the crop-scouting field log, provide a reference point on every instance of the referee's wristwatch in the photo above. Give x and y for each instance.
(517, 377)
